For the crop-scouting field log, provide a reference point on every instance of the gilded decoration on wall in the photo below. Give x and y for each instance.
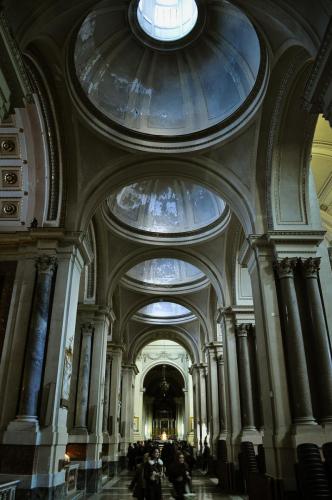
(8, 146)
(9, 209)
(67, 373)
(136, 424)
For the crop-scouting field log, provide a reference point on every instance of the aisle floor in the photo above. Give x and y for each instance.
(205, 488)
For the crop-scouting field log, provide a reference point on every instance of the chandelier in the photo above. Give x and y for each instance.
(164, 385)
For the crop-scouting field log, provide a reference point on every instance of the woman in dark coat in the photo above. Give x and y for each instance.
(138, 484)
(180, 477)
(153, 472)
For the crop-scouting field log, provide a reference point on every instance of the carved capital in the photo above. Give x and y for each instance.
(243, 330)
(87, 329)
(220, 359)
(311, 267)
(46, 264)
(285, 267)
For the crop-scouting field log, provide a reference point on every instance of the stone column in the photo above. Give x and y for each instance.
(213, 398)
(320, 344)
(232, 386)
(194, 370)
(83, 380)
(113, 425)
(35, 352)
(107, 394)
(127, 400)
(202, 400)
(186, 414)
(297, 364)
(221, 397)
(246, 394)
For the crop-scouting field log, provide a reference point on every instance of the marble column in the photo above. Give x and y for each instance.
(246, 393)
(221, 396)
(107, 394)
(320, 344)
(35, 351)
(83, 379)
(297, 364)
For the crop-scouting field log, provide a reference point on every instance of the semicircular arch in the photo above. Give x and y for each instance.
(175, 333)
(207, 172)
(190, 255)
(162, 362)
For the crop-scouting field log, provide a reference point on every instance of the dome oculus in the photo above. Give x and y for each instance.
(167, 20)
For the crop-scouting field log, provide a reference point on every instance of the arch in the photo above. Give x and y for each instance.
(285, 148)
(168, 362)
(170, 298)
(189, 255)
(176, 333)
(207, 172)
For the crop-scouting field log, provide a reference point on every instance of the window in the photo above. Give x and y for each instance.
(167, 20)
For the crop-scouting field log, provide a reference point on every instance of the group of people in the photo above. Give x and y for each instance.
(175, 461)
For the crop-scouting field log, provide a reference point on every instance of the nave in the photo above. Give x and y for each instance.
(205, 488)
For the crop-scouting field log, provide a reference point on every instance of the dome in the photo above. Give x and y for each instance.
(172, 92)
(164, 310)
(165, 271)
(166, 205)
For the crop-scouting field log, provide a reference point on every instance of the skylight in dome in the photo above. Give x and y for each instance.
(167, 20)
(164, 309)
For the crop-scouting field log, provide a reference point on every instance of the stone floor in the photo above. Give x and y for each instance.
(204, 487)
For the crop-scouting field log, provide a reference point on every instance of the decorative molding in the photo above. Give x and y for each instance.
(52, 137)
(10, 209)
(320, 79)
(13, 70)
(9, 146)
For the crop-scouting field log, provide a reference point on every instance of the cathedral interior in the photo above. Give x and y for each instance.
(165, 241)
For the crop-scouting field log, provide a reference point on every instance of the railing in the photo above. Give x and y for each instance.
(7, 490)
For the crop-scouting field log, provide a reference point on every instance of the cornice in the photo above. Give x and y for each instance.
(39, 238)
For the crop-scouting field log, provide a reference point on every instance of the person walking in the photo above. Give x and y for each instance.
(153, 472)
(138, 484)
(180, 477)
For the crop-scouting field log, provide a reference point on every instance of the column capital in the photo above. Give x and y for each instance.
(87, 329)
(220, 359)
(285, 267)
(243, 329)
(130, 366)
(311, 267)
(46, 264)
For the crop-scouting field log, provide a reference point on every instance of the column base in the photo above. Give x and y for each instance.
(79, 431)
(251, 434)
(22, 431)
